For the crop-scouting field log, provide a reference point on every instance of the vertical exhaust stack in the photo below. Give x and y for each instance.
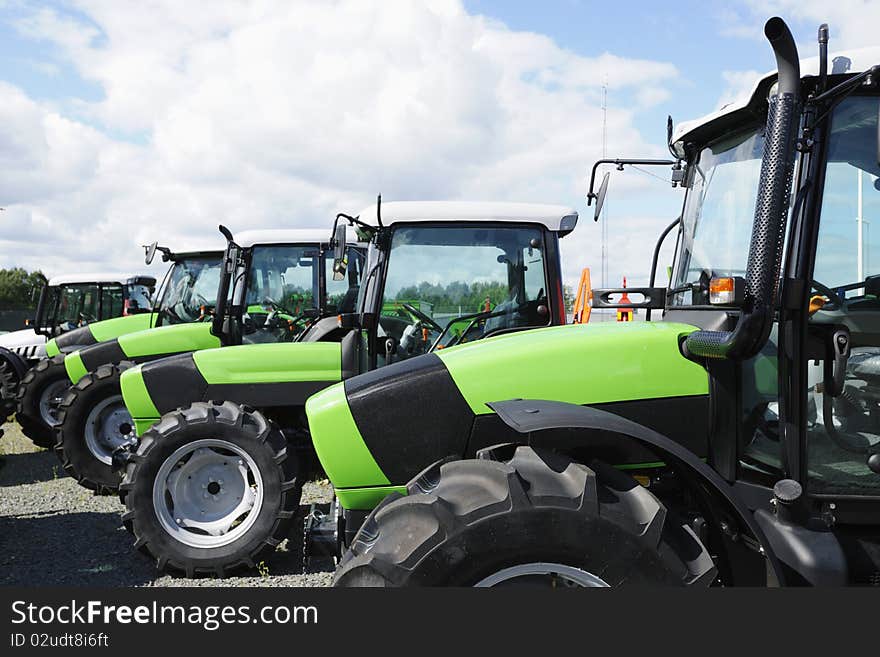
(771, 213)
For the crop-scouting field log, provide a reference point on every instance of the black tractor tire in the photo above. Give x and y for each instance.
(8, 388)
(232, 423)
(535, 515)
(71, 446)
(36, 380)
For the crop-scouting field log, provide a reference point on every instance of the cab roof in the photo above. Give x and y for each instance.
(123, 278)
(842, 63)
(557, 218)
(249, 238)
(195, 248)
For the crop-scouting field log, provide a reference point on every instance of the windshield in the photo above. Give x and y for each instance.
(284, 290)
(191, 290)
(284, 278)
(71, 306)
(450, 285)
(718, 216)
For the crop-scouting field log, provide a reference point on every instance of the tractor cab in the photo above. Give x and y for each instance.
(279, 286)
(70, 301)
(441, 274)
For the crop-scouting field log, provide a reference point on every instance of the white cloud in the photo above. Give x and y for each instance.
(283, 113)
(852, 24)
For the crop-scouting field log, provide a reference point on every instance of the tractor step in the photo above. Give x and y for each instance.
(321, 546)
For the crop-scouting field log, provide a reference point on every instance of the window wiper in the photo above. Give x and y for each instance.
(473, 319)
(685, 287)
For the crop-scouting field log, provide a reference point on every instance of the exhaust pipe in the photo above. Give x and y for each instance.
(771, 214)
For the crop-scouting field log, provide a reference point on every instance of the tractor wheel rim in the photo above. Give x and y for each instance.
(108, 426)
(50, 399)
(208, 493)
(554, 575)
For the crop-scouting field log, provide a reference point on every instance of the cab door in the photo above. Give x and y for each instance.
(840, 369)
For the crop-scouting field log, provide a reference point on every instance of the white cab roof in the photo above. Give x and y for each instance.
(196, 247)
(557, 218)
(849, 61)
(98, 277)
(249, 238)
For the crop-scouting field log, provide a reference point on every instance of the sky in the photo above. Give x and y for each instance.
(126, 122)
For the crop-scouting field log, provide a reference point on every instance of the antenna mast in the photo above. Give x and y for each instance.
(604, 221)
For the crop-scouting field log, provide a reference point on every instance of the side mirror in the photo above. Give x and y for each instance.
(600, 196)
(150, 252)
(340, 263)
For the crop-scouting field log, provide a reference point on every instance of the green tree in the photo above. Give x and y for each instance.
(16, 288)
(470, 298)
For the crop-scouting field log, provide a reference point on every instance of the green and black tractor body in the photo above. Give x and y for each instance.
(285, 280)
(69, 308)
(734, 440)
(437, 274)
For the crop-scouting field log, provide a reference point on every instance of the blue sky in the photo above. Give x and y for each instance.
(163, 116)
(693, 35)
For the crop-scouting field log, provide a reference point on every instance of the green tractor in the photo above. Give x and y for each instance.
(734, 442)
(43, 385)
(214, 485)
(282, 287)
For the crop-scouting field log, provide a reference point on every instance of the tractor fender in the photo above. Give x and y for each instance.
(17, 362)
(534, 417)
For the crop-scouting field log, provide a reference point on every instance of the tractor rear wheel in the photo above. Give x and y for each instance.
(92, 422)
(211, 489)
(41, 390)
(535, 518)
(8, 388)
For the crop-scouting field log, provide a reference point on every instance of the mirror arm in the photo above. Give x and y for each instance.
(619, 163)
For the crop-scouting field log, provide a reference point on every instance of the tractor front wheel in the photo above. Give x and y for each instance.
(534, 518)
(92, 423)
(39, 394)
(211, 489)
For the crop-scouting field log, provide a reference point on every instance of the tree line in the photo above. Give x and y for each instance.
(16, 288)
(470, 297)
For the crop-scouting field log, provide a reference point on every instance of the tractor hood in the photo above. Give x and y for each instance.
(376, 431)
(25, 343)
(96, 332)
(22, 338)
(140, 346)
(261, 375)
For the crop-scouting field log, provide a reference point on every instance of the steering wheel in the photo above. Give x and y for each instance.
(422, 317)
(836, 301)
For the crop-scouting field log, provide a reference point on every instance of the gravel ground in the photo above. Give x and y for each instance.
(53, 532)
